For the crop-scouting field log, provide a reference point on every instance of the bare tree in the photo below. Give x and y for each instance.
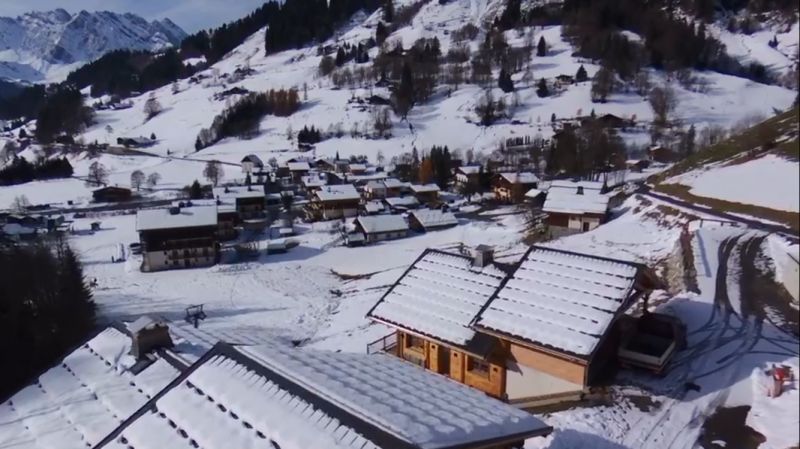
(137, 179)
(20, 204)
(153, 179)
(8, 151)
(381, 121)
(662, 100)
(98, 174)
(642, 82)
(602, 85)
(455, 75)
(380, 158)
(152, 108)
(214, 172)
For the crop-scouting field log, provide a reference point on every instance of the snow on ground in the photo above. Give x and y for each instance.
(746, 182)
(755, 47)
(445, 119)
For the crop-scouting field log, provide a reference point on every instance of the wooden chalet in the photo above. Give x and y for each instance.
(378, 228)
(313, 182)
(178, 237)
(426, 193)
(541, 334)
(333, 202)
(424, 220)
(662, 154)
(512, 187)
(112, 194)
(252, 163)
(575, 206)
(375, 190)
(249, 201)
(394, 187)
(297, 170)
(467, 174)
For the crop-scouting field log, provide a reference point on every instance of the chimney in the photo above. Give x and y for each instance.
(482, 256)
(147, 335)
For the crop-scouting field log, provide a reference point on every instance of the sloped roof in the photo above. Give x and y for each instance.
(382, 223)
(254, 159)
(341, 192)
(79, 401)
(439, 296)
(313, 181)
(434, 218)
(277, 396)
(560, 299)
(187, 217)
(569, 184)
(394, 183)
(470, 169)
(234, 192)
(564, 198)
(521, 178)
(298, 166)
(373, 206)
(424, 188)
(402, 201)
(533, 193)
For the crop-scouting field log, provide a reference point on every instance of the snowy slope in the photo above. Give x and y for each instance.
(46, 46)
(445, 119)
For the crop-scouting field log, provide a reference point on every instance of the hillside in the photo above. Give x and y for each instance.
(342, 112)
(754, 173)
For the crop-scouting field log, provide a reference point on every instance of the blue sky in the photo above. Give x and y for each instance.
(191, 15)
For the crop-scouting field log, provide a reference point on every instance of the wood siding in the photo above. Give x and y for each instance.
(572, 371)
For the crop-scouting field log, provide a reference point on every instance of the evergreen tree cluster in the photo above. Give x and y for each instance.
(46, 309)
(670, 41)
(309, 135)
(441, 163)
(584, 151)
(242, 118)
(358, 53)
(20, 171)
(296, 23)
(62, 112)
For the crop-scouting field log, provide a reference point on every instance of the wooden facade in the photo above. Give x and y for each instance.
(575, 222)
(509, 192)
(167, 249)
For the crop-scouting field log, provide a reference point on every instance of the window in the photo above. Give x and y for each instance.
(478, 367)
(413, 342)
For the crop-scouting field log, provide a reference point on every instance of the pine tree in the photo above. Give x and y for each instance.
(404, 95)
(541, 48)
(541, 88)
(581, 75)
(504, 81)
(388, 11)
(195, 191)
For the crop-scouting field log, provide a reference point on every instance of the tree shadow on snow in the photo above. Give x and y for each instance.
(722, 350)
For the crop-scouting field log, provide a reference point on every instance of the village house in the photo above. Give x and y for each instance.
(112, 194)
(249, 201)
(375, 190)
(334, 201)
(535, 198)
(467, 174)
(227, 217)
(324, 164)
(381, 227)
(637, 165)
(541, 334)
(661, 154)
(372, 207)
(424, 220)
(251, 163)
(426, 193)
(512, 187)
(395, 187)
(297, 170)
(215, 394)
(178, 237)
(357, 169)
(398, 204)
(575, 206)
(313, 182)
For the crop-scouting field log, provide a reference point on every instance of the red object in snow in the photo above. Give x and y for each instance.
(781, 373)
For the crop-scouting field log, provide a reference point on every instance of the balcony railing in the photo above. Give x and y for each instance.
(387, 343)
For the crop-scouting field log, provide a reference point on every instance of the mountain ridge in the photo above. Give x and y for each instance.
(44, 46)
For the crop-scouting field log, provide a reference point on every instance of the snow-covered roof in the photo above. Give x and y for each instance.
(252, 158)
(382, 223)
(341, 192)
(298, 166)
(560, 299)
(375, 185)
(234, 192)
(187, 217)
(533, 193)
(564, 198)
(434, 218)
(313, 181)
(373, 206)
(357, 167)
(402, 201)
(394, 183)
(274, 396)
(470, 169)
(424, 188)
(79, 401)
(520, 178)
(143, 322)
(439, 296)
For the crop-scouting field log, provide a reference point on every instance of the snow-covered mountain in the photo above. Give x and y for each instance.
(46, 46)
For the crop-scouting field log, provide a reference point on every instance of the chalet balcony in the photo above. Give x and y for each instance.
(387, 344)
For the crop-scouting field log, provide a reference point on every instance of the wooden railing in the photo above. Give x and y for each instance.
(384, 344)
